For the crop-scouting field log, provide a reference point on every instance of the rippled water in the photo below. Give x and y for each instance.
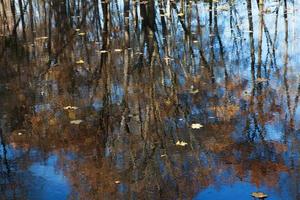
(149, 100)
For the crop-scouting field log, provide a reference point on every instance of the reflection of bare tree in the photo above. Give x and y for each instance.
(140, 79)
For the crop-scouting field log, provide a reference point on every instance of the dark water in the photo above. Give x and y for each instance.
(101, 100)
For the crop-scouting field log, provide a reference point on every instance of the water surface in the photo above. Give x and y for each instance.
(98, 99)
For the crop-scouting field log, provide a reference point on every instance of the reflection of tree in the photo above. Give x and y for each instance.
(153, 73)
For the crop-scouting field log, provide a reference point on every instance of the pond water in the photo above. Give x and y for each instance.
(149, 99)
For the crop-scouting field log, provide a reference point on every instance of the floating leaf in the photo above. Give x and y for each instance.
(77, 122)
(41, 38)
(259, 195)
(163, 155)
(194, 91)
(261, 80)
(117, 182)
(181, 143)
(80, 62)
(118, 50)
(81, 34)
(103, 51)
(20, 133)
(180, 14)
(196, 126)
(70, 108)
(77, 29)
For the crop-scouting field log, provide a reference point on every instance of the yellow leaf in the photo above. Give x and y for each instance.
(261, 80)
(76, 122)
(80, 62)
(196, 126)
(70, 108)
(181, 143)
(259, 195)
(103, 51)
(41, 38)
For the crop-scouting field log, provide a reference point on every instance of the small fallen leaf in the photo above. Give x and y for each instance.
(181, 143)
(261, 80)
(20, 133)
(194, 91)
(81, 34)
(70, 108)
(41, 38)
(117, 182)
(196, 126)
(80, 62)
(163, 155)
(77, 122)
(103, 51)
(77, 29)
(259, 195)
(118, 50)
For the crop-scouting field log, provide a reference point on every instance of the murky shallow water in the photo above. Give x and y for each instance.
(98, 104)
